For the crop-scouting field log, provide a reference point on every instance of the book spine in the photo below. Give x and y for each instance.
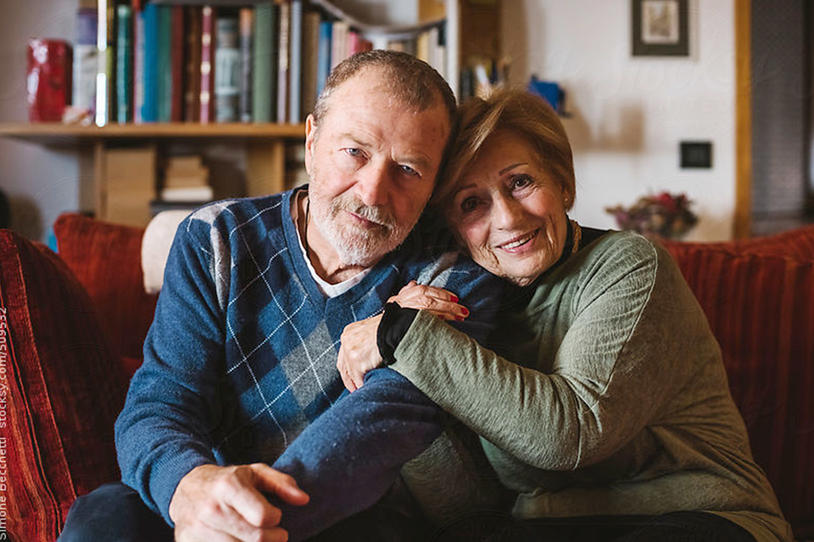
(227, 69)
(103, 72)
(149, 112)
(295, 65)
(354, 41)
(176, 92)
(358, 44)
(207, 64)
(192, 69)
(261, 70)
(282, 63)
(164, 101)
(324, 54)
(124, 57)
(110, 61)
(310, 46)
(246, 29)
(85, 61)
(339, 42)
(138, 62)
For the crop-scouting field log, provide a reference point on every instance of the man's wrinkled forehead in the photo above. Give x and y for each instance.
(379, 80)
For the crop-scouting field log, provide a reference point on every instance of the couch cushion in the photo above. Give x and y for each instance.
(106, 258)
(761, 309)
(62, 396)
(797, 244)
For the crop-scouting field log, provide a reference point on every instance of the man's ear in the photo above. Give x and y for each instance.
(310, 138)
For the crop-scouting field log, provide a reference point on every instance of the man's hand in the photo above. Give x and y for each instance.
(359, 352)
(226, 504)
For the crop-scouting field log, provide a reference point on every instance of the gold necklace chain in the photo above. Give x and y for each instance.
(577, 236)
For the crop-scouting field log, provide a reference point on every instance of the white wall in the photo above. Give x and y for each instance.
(631, 112)
(40, 182)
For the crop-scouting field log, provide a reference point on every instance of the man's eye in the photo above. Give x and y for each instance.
(469, 204)
(407, 170)
(354, 152)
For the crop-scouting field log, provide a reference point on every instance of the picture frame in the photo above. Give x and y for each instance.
(660, 27)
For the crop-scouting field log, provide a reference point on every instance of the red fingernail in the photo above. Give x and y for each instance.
(465, 311)
(459, 318)
(455, 299)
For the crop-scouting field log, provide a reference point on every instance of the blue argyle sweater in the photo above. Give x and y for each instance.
(241, 355)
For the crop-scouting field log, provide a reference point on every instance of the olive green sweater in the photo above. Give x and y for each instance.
(615, 400)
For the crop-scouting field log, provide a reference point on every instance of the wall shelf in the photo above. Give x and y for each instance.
(264, 146)
(259, 149)
(58, 134)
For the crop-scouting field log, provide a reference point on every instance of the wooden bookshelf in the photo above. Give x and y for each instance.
(263, 144)
(47, 133)
(260, 148)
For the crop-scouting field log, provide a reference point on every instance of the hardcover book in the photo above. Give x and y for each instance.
(124, 63)
(310, 61)
(282, 62)
(104, 71)
(177, 40)
(85, 60)
(207, 98)
(149, 110)
(138, 62)
(295, 65)
(246, 31)
(324, 61)
(264, 84)
(192, 60)
(164, 54)
(227, 69)
(339, 43)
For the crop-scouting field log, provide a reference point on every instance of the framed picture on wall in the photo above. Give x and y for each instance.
(660, 28)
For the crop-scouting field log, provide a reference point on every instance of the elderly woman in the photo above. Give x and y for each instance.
(605, 402)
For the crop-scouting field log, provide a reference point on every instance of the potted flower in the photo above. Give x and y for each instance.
(663, 215)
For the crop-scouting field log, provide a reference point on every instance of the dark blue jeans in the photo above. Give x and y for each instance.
(346, 460)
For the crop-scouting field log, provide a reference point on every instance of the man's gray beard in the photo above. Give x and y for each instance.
(355, 246)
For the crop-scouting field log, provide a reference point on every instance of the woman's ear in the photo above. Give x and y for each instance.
(310, 139)
(567, 198)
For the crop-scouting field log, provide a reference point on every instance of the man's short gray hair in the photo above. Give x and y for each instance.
(411, 80)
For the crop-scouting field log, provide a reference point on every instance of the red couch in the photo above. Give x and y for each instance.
(71, 329)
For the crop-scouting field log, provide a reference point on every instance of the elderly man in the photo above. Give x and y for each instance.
(240, 359)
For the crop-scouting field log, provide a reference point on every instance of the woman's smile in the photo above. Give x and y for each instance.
(521, 244)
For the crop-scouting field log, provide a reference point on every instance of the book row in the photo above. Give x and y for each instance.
(267, 62)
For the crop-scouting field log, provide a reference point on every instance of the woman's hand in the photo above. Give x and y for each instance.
(437, 301)
(359, 352)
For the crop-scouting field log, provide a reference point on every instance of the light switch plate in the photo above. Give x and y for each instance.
(696, 154)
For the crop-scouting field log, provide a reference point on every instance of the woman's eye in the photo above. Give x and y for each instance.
(469, 204)
(521, 181)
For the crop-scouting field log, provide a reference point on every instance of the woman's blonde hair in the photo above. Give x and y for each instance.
(522, 113)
